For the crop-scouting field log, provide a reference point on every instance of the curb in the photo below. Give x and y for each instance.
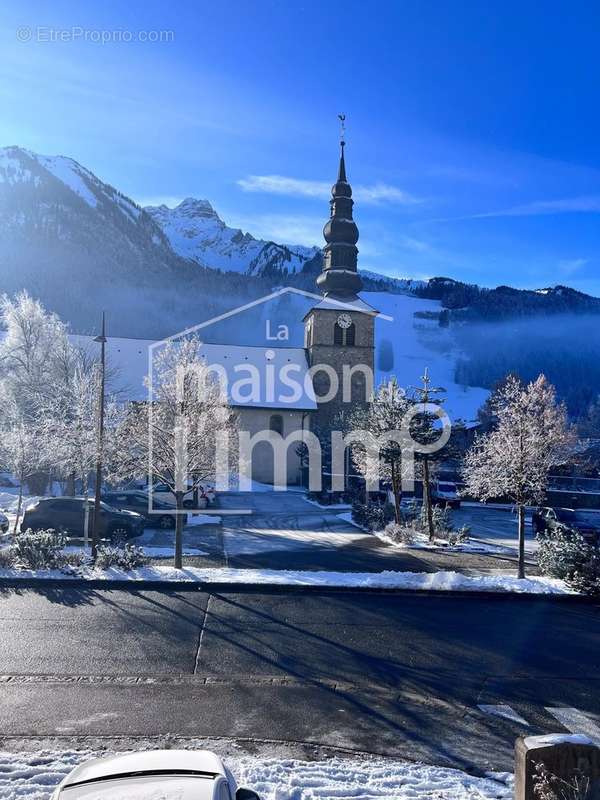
(276, 588)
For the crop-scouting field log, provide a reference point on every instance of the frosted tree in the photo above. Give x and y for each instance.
(29, 353)
(531, 434)
(28, 376)
(21, 448)
(383, 416)
(69, 421)
(184, 435)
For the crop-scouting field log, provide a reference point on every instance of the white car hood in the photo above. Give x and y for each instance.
(151, 760)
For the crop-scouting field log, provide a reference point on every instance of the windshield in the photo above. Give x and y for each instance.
(143, 787)
(447, 487)
(106, 507)
(565, 515)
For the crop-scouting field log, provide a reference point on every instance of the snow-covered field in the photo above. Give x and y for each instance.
(33, 776)
(418, 343)
(415, 581)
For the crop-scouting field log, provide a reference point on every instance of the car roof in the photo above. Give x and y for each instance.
(147, 761)
(143, 787)
(127, 491)
(152, 761)
(52, 499)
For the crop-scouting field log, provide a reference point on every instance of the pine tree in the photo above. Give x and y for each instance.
(426, 430)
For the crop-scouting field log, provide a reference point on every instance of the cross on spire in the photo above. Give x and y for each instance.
(342, 119)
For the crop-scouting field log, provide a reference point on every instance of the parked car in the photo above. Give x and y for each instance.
(546, 520)
(161, 515)
(67, 514)
(168, 774)
(445, 494)
(3, 522)
(163, 493)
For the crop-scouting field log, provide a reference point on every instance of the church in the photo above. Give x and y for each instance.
(280, 391)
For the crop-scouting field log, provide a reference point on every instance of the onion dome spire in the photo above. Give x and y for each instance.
(340, 273)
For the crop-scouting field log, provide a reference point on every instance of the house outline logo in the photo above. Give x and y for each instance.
(319, 298)
(343, 306)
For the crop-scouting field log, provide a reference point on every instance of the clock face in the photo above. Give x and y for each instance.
(344, 320)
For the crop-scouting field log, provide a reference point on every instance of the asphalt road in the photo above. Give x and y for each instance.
(396, 674)
(284, 531)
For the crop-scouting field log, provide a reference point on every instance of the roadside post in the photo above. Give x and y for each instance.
(556, 765)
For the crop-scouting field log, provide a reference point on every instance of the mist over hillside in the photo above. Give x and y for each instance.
(565, 347)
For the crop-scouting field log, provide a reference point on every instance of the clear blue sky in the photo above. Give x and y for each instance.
(473, 127)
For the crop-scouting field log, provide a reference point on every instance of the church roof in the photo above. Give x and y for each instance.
(344, 304)
(271, 368)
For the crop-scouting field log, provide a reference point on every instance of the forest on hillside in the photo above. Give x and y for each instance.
(565, 347)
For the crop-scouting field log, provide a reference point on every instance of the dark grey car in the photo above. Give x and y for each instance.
(161, 516)
(67, 514)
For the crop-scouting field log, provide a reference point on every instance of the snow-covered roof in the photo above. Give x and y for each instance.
(345, 304)
(271, 369)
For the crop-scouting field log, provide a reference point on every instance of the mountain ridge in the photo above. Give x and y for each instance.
(196, 231)
(81, 245)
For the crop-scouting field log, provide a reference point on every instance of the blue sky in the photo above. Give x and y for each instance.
(473, 141)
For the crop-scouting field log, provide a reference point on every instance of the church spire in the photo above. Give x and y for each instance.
(342, 168)
(340, 273)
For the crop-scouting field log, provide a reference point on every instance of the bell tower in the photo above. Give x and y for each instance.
(340, 330)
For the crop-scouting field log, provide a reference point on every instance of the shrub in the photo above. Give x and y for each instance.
(77, 558)
(568, 556)
(39, 549)
(459, 536)
(127, 557)
(400, 534)
(7, 558)
(442, 520)
(562, 554)
(372, 516)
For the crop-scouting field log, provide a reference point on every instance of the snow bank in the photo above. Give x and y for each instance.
(330, 507)
(416, 581)
(202, 519)
(33, 776)
(557, 738)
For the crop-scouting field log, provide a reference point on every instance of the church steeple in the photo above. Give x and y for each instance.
(340, 274)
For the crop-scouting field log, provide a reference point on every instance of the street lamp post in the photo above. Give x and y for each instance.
(96, 530)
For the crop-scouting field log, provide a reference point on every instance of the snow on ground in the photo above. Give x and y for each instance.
(33, 776)
(412, 581)
(421, 542)
(330, 507)
(202, 519)
(250, 541)
(168, 552)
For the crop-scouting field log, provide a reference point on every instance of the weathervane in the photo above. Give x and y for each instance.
(342, 119)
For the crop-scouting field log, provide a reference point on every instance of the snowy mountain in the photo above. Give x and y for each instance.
(196, 232)
(52, 208)
(81, 246)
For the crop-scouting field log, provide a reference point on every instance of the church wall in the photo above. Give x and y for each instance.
(254, 420)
